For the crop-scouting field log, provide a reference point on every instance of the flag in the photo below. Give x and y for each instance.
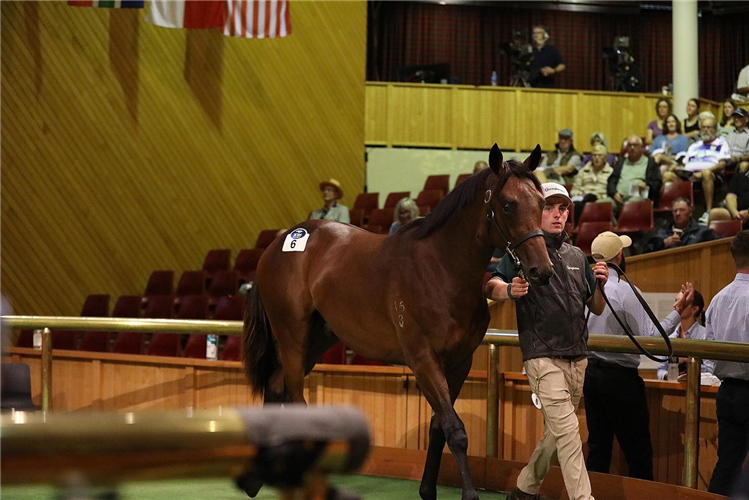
(191, 14)
(257, 18)
(110, 4)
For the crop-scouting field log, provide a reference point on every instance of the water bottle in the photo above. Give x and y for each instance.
(211, 347)
(673, 369)
(495, 79)
(38, 340)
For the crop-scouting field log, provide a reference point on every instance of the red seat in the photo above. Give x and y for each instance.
(596, 212)
(265, 238)
(128, 306)
(194, 307)
(356, 216)
(393, 198)
(726, 228)
(336, 355)
(367, 202)
(95, 306)
(160, 283)
(246, 263)
(25, 339)
(635, 216)
(162, 344)
(225, 283)
(423, 210)
(382, 217)
(439, 182)
(190, 283)
(569, 226)
(216, 260)
(461, 178)
(429, 199)
(358, 359)
(673, 190)
(231, 309)
(588, 232)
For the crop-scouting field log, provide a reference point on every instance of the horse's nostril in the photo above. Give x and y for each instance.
(533, 272)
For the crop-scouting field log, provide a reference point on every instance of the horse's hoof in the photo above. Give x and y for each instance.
(471, 495)
(428, 493)
(249, 484)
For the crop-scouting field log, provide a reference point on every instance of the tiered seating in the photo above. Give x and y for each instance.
(223, 284)
(162, 344)
(427, 200)
(380, 220)
(393, 198)
(636, 216)
(438, 182)
(159, 283)
(587, 233)
(246, 263)
(128, 306)
(265, 238)
(190, 283)
(231, 309)
(726, 228)
(367, 202)
(95, 306)
(673, 190)
(461, 178)
(356, 216)
(216, 260)
(596, 212)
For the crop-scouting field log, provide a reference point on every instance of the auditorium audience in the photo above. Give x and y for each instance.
(736, 204)
(595, 139)
(563, 163)
(655, 128)
(689, 327)
(738, 141)
(692, 121)
(332, 210)
(683, 231)
(726, 121)
(635, 177)
(706, 161)
(405, 211)
(727, 322)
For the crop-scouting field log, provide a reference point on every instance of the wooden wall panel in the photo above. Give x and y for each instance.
(127, 147)
(485, 115)
(423, 116)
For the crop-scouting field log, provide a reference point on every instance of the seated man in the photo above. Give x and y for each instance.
(562, 164)
(636, 177)
(706, 160)
(737, 201)
(689, 328)
(331, 210)
(683, 231)
(738, 141)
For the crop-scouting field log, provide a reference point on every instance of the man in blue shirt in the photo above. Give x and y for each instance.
(615, 400)
(728, 321)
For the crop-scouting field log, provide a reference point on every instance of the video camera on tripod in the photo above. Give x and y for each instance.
(627, 76)
(520, 53)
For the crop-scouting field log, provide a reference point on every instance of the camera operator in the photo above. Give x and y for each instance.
(547, 61)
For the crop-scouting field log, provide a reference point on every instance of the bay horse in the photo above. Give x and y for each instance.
(413, 298)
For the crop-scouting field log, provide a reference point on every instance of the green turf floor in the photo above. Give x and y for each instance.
(368, 487)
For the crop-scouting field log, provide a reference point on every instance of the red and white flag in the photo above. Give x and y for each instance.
(257, 18)
(191, 14)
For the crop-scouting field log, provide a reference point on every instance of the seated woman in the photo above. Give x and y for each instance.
(595, 139)
(670, 145)
(726, 122)
(663, 108)
(405, 211)
(691, 124)
(591, 181)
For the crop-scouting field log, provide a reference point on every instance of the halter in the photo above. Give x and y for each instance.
(511, 245)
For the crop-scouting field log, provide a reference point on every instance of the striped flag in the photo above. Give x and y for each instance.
(257, 18)
(191, 14)
(110, 4)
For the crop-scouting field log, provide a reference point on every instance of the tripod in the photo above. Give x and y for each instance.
(520, 79)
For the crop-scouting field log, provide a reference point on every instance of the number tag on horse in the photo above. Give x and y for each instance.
(296, 241)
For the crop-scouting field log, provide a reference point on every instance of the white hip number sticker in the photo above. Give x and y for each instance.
(296, 241)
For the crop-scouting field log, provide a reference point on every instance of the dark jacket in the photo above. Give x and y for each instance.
(694, 233)
(551, 318)
(652, 179)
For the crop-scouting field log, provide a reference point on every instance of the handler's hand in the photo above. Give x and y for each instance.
(519, 287)
(601, 272)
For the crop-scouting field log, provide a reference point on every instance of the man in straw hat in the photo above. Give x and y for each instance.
(553, 340)
(331, 210)
(615, 401)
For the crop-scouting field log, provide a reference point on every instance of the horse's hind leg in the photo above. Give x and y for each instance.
(431, 379)
(292, 336)
(428, 488)
(275, 391)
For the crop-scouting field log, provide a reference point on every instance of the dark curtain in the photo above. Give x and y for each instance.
(468, 37)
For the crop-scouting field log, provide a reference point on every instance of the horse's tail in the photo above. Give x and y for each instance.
(259, 354)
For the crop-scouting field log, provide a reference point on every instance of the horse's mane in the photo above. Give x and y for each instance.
(465, 194)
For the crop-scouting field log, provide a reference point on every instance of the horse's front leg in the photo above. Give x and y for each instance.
(432, 381)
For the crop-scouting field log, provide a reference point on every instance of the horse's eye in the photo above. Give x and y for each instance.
(506, 208)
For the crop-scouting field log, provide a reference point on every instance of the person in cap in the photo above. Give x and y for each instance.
(331, 210)
(727, 320)
(615, 401)
(553, 340)
(738, 141)
(689, 328)
(563, 163)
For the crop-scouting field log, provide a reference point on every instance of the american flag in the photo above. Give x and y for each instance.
(257, 18)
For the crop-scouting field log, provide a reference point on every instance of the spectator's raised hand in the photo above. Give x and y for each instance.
(684, 298)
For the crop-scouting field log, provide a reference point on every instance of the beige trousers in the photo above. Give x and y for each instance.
(558, 383)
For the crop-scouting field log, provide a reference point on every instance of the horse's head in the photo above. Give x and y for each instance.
(514, 202)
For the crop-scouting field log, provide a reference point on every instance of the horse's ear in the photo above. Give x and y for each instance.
(495, 159)
(534, 159)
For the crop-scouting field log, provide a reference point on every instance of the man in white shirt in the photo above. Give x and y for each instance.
(707, 159)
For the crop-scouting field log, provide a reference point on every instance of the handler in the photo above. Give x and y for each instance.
(553, 339)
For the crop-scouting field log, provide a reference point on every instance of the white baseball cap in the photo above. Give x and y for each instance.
(607, 245)
(553, 189)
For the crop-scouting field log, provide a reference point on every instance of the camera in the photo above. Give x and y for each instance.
(520, 53)
(627, 76)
